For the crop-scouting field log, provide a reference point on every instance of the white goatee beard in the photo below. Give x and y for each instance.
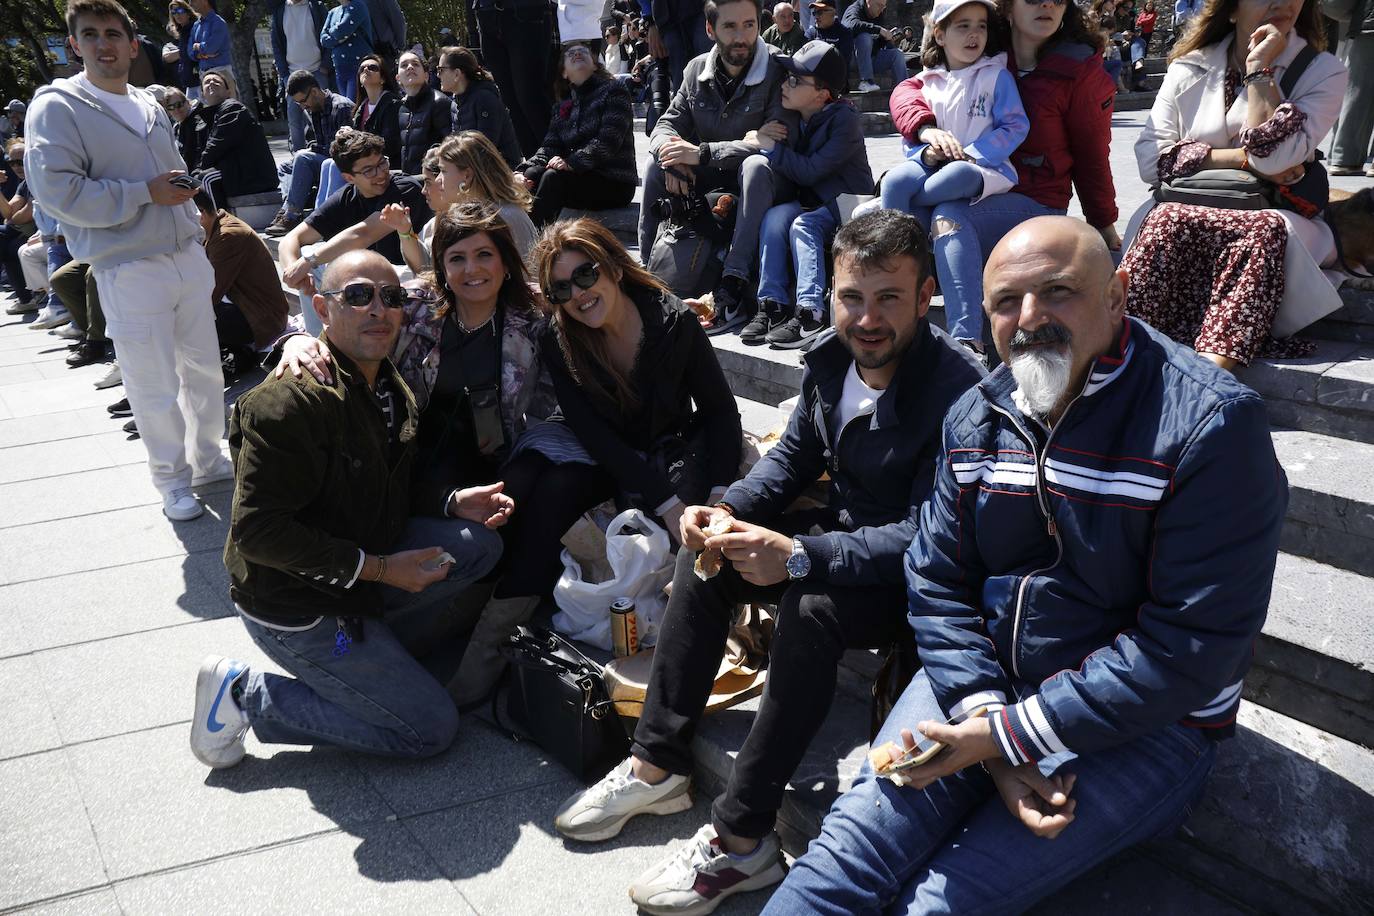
(1042, 377)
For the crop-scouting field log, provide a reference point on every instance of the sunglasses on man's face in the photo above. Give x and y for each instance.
(359, 295)
(584, 275)
(17, 163)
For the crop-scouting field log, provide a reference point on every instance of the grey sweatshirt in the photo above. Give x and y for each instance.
(91, 172)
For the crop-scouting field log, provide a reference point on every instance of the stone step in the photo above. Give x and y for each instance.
(1331, 503)
(1331, 392)
(1354, 321)
(1286, 809)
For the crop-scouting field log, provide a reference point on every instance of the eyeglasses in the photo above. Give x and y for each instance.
(584, 275)
(17, 162)
(794, 81)
(372, 171)
(359, 295)
(575, 53)
(175, 106)
(370, 68)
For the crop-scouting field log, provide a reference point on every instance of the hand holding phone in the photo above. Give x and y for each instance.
(186, 182)
(891, 760)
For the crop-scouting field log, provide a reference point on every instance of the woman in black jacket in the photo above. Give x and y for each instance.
(477, 100)
(636, 377)
(587, 159)
(426, 114)
(377, 104)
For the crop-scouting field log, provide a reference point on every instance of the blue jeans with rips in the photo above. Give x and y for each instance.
(889, 849)
(961, 245)
(794, 238)
(376, 697)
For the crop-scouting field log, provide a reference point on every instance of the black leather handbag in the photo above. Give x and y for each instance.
(558, 698)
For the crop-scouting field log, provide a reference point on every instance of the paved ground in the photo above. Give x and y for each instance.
(106, 609)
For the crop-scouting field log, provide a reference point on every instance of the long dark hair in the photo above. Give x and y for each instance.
(584, 348)
(1214, 23)
(463, 221)
(1074, 28)
(388, 81)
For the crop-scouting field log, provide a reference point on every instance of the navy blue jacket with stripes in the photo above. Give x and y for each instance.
(1108, 578)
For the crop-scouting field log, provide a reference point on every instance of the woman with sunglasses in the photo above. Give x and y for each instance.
(469, 350)
(1068, 98)
(477, 100)
(465, 168)
(377, 104)
(180, 18)
(587, 159)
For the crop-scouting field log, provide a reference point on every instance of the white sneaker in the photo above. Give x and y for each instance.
(221, 470)
(219, 724)
(111, 378)
(69, 331)
(47, 323)
(24, 308)
(599, 812)
(698, 876)
(866, 86)
(180, 506)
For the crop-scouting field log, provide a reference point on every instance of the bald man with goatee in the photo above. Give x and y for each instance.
(1088, 579)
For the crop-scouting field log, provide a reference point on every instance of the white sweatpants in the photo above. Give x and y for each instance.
(158, 313)
(34, 261)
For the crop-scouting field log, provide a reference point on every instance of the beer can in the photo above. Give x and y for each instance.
(624, 627)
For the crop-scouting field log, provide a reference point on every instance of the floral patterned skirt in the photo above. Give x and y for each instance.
(1213, 279)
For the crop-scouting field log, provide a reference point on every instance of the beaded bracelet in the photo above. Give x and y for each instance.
(1265, 75)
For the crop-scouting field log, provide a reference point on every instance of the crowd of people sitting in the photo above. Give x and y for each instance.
(472, 370)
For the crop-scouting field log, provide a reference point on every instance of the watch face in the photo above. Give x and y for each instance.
(798, 565)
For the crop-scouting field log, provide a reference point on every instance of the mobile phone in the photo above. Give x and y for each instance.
(927, 749)
(186, 181)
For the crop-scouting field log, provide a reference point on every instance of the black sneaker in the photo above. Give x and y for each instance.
(86, 352)
(131, 428)
(796, 333)
(768, 316)
(730, 301)
(121, 408)
(283, 223)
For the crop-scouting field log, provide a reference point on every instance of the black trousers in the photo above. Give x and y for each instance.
(548, 500)
(11, 240)
(816, 623)
(516, 47)
(233, 331)
(582, 190)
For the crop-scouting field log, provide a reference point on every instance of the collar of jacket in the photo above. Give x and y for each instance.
(348, 375)
(941, 75)
(1063, 59)
(1210, 64)
(1105, 370)
(757, 70)
(829, 362)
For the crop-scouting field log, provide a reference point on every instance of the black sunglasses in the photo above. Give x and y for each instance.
(19, 161)
(359, 295)
(584, 275)
(370, 68)
(1051, 2)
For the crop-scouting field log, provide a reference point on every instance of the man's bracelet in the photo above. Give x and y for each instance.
(381, 568)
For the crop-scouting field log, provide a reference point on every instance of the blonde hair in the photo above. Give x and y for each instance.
(492, 179)
(584, 348)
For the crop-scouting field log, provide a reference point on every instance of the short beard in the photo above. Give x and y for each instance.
(1042, 373)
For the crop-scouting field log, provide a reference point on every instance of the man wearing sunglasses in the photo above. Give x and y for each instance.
(332, 579)
(370, 186)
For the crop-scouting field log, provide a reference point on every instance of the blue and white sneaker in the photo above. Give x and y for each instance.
(219, 725)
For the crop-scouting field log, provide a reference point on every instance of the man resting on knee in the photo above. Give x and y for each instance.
(333, 581)
(1091, 572)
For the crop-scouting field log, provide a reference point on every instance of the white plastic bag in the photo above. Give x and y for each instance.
(641, 560)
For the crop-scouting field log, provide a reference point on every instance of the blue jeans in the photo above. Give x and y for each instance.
(954, 848)
(795, 237)
(331, 179)
(911, 184)
(685, 40)
(961, 249)
(888, 58)
(375, 698)
(299, 177)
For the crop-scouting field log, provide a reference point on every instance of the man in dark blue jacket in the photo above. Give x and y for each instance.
(1091, 572)
(872, 399)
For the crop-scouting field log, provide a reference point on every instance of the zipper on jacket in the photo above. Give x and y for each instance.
(1042, 500)
(839, 440)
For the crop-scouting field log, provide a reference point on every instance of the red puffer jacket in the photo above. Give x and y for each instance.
(1068, 98)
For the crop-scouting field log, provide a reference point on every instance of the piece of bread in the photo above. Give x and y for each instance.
(709, 561)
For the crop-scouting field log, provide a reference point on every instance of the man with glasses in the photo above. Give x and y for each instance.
(124, 205)
(369, 187)
(333, 581)
(329, 113)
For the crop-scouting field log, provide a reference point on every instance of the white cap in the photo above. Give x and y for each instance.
(942, 9)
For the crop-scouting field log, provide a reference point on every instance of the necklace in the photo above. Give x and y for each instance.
(473, 330)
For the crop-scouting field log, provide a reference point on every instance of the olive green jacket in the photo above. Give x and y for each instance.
(316, 482)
